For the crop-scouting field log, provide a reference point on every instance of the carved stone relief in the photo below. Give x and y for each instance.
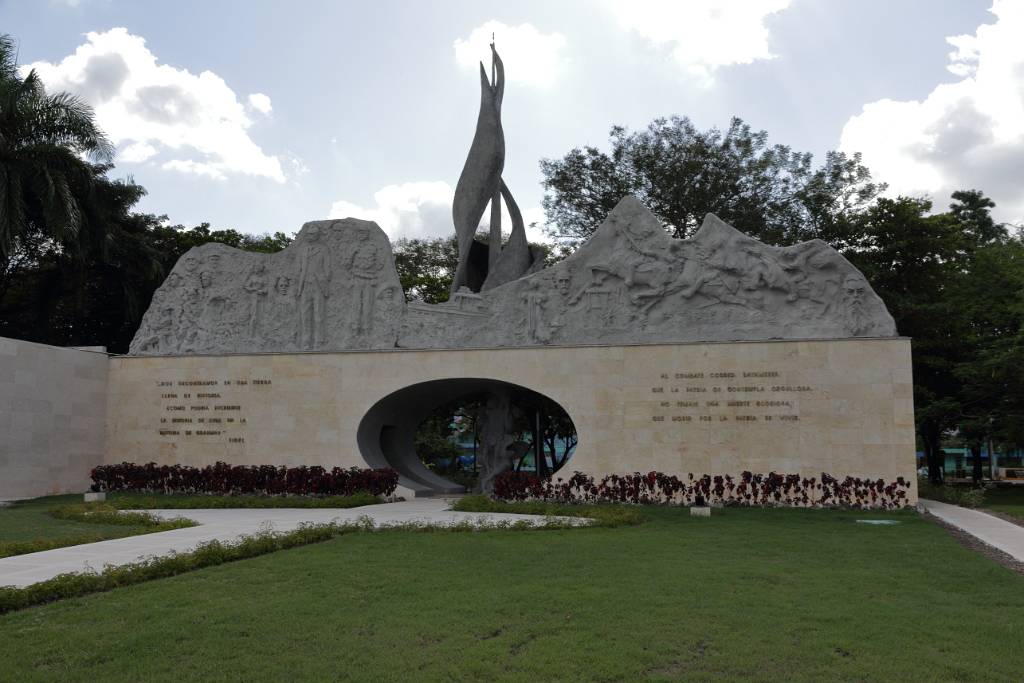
(336, 288)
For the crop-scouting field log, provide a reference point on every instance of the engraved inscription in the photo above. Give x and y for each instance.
(222, 410)
(742, 402)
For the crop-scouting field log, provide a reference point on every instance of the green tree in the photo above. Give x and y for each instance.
(46, 181)
(78, 266)
(953, 284)
(433, 442)
(47, 297)
(68, 246)
(991, 296)
(682, 173)
(426, 267)
(172, 241)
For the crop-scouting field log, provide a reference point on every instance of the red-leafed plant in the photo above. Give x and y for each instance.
(225, 479)
(656, 488)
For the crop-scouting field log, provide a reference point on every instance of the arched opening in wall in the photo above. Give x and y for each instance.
(456, 435)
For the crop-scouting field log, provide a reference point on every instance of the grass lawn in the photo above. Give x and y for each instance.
(30, 521)
(762, 595)
(1006, 499)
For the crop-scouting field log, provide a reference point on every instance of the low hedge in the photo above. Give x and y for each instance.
(226, 479)
(656, 488)
(104, 513)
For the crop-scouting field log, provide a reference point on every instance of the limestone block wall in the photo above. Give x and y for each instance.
(844, 407)
(52, 417)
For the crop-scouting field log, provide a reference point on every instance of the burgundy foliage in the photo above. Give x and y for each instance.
(225, 479)
(656, 488)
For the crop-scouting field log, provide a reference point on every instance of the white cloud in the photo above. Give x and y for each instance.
(533, 218)
(151, 108)
(260, 103)
(136, 152)
(424, 210)
(194, 167)
(964, 135)
(703, 35)
(530, 57)
(418, 209)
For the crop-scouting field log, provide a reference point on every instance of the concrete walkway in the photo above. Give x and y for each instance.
(996, 532)
(227, 526)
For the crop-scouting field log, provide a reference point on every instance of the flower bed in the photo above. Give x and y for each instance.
(656, 488)
(226, 479)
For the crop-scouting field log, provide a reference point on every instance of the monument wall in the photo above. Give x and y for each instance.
(841, 406)
(52, 416)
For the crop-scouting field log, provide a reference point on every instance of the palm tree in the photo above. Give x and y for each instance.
(46, 144)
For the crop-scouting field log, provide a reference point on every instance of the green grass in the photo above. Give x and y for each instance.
(964, 495)
(750, 594)
(603, 515)
(29, 526)
(1006, 499)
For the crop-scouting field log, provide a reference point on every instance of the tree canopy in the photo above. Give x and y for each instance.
(682, 173)
(78, 265)
(426, 267)
(47, 184)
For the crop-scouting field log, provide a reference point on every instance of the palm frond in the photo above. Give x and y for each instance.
(8, 57)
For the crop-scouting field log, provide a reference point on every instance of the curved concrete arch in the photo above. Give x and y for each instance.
(387, 431)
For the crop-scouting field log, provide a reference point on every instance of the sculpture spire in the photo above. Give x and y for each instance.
(481, 183)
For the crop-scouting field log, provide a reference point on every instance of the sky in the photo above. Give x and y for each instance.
(261, 115)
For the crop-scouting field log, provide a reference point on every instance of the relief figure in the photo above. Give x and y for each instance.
(256, 286)
(365, 266)
(536, 300)
(857, 321)
(314, 289)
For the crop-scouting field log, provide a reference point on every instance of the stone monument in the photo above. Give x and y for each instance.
(335, 288)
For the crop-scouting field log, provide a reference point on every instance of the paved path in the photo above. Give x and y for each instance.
(228, 525)
(989, 529)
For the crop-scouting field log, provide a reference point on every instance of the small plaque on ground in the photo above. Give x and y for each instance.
(878, 522)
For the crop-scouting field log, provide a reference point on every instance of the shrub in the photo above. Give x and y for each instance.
(228, 479)
(656, 488)
(965, 496)
(132, 500)
(104, 513)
